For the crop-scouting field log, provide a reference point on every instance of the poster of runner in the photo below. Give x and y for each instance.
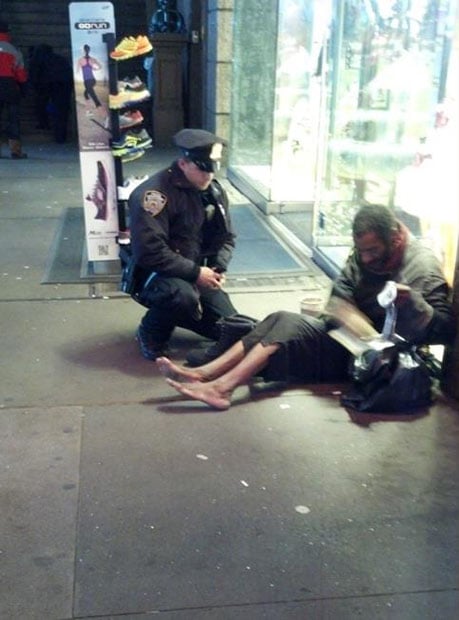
(89, 22)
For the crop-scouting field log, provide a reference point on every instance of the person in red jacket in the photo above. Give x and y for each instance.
(13, 77)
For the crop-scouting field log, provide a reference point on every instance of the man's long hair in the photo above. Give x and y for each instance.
(377, 219)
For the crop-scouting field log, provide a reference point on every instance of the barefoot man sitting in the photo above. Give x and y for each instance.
(295, 348)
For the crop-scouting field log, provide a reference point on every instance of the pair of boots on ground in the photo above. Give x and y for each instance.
(232, 329)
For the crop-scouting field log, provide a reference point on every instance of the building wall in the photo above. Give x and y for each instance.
(218, 54)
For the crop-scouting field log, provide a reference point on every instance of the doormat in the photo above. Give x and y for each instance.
(66, 252)
(260, 258)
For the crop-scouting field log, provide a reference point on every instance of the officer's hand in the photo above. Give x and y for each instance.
(209, 278)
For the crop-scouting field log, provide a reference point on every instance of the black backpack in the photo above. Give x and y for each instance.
(392, 380)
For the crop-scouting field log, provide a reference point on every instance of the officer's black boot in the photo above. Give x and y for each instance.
(153, 334)
(150, 347)
(232, 329)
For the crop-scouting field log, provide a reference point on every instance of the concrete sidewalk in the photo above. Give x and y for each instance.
(120, 499)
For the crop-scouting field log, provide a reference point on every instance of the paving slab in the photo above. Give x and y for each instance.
(83, 350)
(306, 610)
(430, 605)
(71, 352)
(42, 184)
(24, 259)
(43, 196)
(409, 606)
(39, 477)
(277, 500)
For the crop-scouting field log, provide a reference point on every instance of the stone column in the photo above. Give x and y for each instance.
(219, 44)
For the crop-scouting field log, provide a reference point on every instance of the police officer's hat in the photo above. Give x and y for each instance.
(202, 147)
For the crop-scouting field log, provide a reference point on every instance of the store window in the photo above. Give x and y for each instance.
(391, 137)
(275, 106)
(338, 103)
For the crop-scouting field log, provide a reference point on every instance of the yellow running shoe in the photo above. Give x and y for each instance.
(143, 44)
(130, 47)
(126, 48)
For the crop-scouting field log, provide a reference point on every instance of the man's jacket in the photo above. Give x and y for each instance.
(173, 233)
(13, 74)
(427, 317)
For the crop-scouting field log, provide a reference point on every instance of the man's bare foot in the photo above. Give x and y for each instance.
(205, 392)
(178, 373)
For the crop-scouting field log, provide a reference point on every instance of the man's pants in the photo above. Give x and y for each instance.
(11, 112)
(307, 354)
(173, 302)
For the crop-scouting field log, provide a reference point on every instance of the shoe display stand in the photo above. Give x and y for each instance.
(117, 135)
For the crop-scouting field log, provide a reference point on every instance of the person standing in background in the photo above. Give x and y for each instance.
(13, 79)
(52, 79)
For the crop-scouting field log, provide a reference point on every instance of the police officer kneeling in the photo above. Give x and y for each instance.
(182, 242)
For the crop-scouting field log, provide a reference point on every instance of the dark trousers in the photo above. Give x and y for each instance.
(52, 107)
(42, 97)
(90, 93)
(11, 111)
(173, 302)
(61, 97)
(307, 354)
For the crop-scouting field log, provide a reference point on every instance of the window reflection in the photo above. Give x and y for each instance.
(334, 105)
(387, 71)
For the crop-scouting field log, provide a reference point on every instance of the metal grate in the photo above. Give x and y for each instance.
(276, 283)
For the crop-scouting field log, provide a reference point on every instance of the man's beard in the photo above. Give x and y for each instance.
(379, 265)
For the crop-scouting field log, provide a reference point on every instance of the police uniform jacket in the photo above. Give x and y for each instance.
(174, 232)
(426, 317)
